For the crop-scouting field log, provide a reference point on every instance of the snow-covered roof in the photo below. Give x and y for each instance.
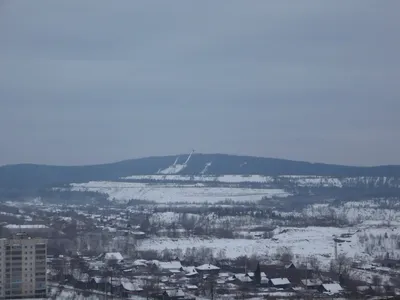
(207, 267)
(170, 265)
(243, 277)
(264, 280)
(189, 269)
(193, 273)
(311, 282)
(288, 266)
(95, 265)
(191, 287)
(138, 233)
(98, 279)
(175, 271)
(131, 286)
(27, 226)
(332, 288)
(175, 293)
(82, 277)
(140, 263)
(113, 256)
(363, 288)
(280, 281)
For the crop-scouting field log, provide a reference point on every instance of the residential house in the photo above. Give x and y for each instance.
(171, 266)
(290, 266)
(173, 294)
(242, 278)
(190, 272)
(207, 269)
(330, 288)
(311, 284)
(113, 258)
(130, 287)
(280, 283)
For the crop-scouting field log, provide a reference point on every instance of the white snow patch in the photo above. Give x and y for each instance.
(204, 171)
(175, 168)
(164, 193)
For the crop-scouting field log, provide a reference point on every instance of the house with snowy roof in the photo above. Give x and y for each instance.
(331, 288)
(290, 266)
(190, 272)
(174, 266)
(242, 278)
(173, 294)
(113, 257)
(208, 269)
(311, 284)
(280, 283)
(131, 287)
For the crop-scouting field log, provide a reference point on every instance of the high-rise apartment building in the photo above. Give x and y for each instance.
(23, 267)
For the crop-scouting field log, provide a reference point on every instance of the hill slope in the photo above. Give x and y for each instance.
(30, 176)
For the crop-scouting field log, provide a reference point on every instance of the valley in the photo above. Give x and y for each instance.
(234, 221)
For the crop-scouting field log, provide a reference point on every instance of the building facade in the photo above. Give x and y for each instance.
(23, 267)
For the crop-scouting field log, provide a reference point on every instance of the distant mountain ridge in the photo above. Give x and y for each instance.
(31, 176)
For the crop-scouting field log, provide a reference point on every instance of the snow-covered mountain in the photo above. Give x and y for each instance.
(213, 168)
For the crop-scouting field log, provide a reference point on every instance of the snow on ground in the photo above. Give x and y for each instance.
(175, 168)
(172, 193)
(204, 171)
(303, 242)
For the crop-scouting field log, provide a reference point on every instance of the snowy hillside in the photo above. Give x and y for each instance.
(292, 180)
(176, 168)
(173, 193)
(30, 176)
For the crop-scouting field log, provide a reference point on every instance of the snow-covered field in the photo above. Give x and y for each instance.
(172, 193)
(303, 242)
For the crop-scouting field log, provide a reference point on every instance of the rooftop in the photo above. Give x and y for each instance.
(207, 267)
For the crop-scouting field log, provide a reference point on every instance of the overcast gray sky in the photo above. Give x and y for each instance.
(97, 81)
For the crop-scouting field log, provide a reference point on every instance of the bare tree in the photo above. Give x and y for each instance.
(209, 287)
(285, 255)
(129, 246)
(221, 254)
(315, 264)
(376, 280)
(166, 255)
(377, 283)
(152, 285)
(341, 266)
